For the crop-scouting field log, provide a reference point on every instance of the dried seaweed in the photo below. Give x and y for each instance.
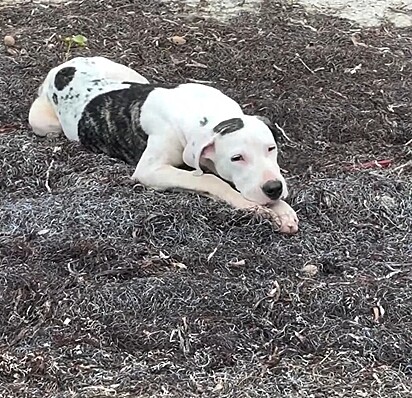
(109, 288)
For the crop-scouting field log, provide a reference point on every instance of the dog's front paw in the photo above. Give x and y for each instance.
(288, 223)
(285, 217)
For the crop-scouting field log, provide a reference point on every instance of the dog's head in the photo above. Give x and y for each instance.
(244, 152)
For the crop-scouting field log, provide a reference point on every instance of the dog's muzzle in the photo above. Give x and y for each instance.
(273, 189)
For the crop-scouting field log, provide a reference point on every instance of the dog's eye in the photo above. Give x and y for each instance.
(271, 148)
(236, 158)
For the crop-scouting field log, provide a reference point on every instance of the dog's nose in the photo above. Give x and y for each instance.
(272, 189)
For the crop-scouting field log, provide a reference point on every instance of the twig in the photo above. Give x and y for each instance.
(200, 81)
(284, 133)
(67, 55)
(48, 177)
(303, 63)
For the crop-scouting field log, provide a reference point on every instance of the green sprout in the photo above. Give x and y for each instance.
(78, 40)
(74, 41)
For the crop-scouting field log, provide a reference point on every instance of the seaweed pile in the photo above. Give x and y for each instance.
(111, 289)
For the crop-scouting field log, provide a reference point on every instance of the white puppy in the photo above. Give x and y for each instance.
(160, 127)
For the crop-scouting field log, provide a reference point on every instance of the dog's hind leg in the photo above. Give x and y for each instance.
(119, 72)
(43, 119)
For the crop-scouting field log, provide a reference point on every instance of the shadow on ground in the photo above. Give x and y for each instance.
(108, 288)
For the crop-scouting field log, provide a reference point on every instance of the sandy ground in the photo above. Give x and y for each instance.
(363, 12)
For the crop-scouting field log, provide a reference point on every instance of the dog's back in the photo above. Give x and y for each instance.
(110, 122)
(103, 114)
(43, 115)
(70, 88)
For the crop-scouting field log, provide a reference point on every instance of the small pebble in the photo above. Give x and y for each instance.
(9, 41)
(178, 40)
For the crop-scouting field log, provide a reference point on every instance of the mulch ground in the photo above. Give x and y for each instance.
(109, 289)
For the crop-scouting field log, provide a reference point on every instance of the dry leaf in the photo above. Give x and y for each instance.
(236, 263)
(180, 265)
(219, 387)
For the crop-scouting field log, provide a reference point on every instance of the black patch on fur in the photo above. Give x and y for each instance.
(204, 121)
(229, 126)
(110, 122)
(64, 77)
(55, 99)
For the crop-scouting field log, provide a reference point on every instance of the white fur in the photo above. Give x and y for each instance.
(172, 120)
(177, 112)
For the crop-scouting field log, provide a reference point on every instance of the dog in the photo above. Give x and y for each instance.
(112, 109)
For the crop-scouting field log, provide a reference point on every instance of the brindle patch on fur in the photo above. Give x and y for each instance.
(110, 123)
(64, 77)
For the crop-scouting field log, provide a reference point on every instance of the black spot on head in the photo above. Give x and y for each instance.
(229, 126)
(77, 95)
(89, 89)
(204, 121)
(55, 99)
(64, 77)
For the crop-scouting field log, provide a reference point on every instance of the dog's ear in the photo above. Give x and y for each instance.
(195, 150)
(269, 123)
(265, 120)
